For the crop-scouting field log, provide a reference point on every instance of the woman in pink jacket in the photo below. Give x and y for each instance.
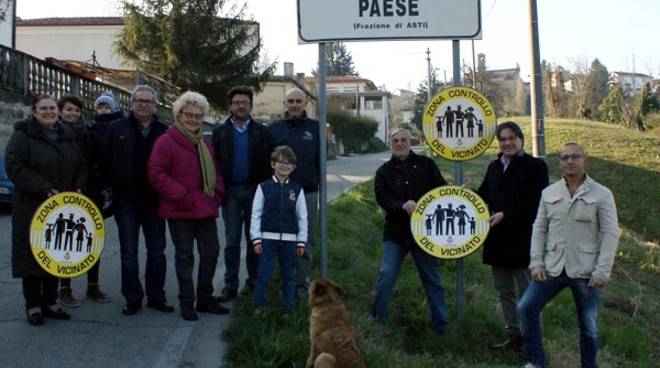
(183, 171)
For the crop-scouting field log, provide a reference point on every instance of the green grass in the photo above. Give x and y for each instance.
(625, 161)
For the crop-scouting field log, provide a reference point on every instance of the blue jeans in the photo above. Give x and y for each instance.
(236, 213)
(429, 273)
(131, 213)
(285, 252)
(586, 302)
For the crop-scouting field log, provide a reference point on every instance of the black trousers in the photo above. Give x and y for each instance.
(40, 291)
(92, 276)
(184, 233)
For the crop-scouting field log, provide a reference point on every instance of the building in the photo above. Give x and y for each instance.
(84, 39)
(361, 97)
(631, 83)
(268, 104)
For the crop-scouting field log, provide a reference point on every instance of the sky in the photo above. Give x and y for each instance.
(622, 35)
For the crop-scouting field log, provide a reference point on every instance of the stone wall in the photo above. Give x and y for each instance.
(13, 107)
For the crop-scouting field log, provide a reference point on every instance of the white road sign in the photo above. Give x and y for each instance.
(355, 20)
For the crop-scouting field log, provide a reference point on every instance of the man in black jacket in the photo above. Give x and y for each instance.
(301, 133)
(399, 183)
(512, 189)
(242, 148)
(128, 145)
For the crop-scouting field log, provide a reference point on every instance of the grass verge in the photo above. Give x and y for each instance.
(625, 161)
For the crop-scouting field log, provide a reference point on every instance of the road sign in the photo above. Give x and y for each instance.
(355, 20)
(67, 234)
(450, 222)
(459, 123)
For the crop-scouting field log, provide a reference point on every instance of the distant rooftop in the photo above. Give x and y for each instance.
(76, 21)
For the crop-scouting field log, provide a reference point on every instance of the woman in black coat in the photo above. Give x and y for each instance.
(42, 159)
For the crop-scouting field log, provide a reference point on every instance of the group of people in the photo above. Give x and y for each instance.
(146, 174)
(543, 238)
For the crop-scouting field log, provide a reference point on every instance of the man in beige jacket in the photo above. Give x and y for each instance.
(574, 240)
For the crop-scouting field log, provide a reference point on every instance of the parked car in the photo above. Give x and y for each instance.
(6, 186)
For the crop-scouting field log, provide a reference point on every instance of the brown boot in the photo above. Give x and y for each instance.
(94, 293)
(67, 299)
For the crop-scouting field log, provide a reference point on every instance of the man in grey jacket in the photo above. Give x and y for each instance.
(574, 241)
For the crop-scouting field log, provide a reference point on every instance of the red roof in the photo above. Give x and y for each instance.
(80, 21)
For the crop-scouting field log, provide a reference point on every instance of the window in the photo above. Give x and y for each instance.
(373, 103)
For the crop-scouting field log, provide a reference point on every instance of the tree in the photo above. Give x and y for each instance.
(611, 109)
(648, 103)
(579, 86)
(421, 98)
(597, 87)
(556, 99)
(338, 60)
(184, 42)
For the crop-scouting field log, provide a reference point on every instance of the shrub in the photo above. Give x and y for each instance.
(353, 131)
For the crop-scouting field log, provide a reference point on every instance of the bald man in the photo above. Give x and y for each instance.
(301, 133)
(574, 241)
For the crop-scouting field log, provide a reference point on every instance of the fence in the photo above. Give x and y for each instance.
(24, 74)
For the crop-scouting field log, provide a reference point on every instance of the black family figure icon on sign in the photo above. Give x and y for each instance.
(68, 228)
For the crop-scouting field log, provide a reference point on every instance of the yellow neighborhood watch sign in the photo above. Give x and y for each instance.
(459, 123)
(450, 222)
(67, 234)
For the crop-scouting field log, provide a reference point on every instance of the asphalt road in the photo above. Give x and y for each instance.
(100, 336)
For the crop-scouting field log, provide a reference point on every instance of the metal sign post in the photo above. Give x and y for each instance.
(458, 180)
(323, 154)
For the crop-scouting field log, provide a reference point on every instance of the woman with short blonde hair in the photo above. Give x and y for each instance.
(183, 170)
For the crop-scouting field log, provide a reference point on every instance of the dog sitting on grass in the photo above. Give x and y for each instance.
(334, 344)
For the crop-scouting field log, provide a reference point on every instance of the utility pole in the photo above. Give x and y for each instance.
(429, 92)
(538, 134)
(474, 68)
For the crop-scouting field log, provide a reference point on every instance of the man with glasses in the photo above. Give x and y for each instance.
(574, 241)
(301, 133)
(242, 147)
(127, 148)
(511, 187)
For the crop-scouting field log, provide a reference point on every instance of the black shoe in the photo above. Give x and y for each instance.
(131, 309)
(55, 314)
(226, 295)
(212, 307)
(514, 343)
(36, 318)
(188, 312)
(161, 306)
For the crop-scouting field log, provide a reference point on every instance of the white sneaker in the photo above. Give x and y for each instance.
(530, 365)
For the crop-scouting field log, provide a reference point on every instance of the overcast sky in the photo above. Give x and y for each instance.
(621, 34)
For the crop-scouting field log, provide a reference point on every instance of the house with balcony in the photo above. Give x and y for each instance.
(361, 97)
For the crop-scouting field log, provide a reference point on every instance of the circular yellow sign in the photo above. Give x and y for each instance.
(459, 123)
(67, 234)
(450, 222)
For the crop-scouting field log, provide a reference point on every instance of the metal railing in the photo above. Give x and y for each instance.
(30, 76)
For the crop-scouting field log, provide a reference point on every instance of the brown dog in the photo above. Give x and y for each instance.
(332, 336)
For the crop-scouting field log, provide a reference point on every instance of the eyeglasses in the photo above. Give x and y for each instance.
(241, 103)
(190, 115)
(573, 157)
(143, 101)
(284, 163)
